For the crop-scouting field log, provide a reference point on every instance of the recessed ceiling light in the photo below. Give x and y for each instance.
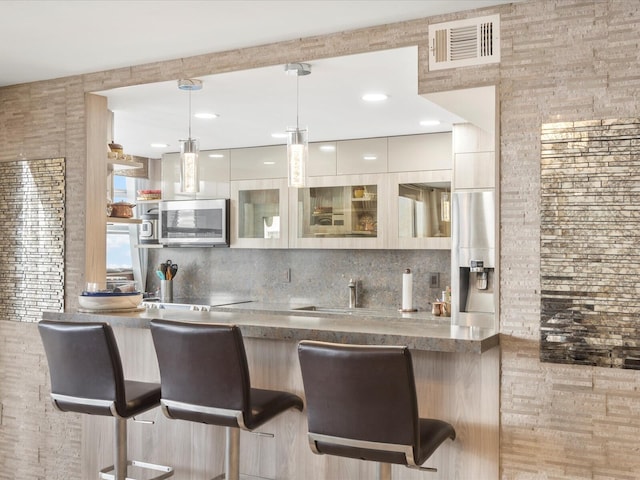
(159, 145)
(327, 148)
(374, 97)
(430, 123)
(216, 155)
(269, 163)
(369, 157)
(206, 116)
(279, 135)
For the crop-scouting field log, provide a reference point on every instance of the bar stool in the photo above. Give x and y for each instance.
(361, 403)
(205, 378)
(86, 377)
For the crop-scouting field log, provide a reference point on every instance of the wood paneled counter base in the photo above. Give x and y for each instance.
(457, 380)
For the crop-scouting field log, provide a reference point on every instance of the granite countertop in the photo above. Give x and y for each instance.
(419, 331)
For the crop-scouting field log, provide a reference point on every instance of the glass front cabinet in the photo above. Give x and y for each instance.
(420, 210)
(339, 212)
(259, 213)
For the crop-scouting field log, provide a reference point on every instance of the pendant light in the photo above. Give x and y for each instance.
(297, 138)
(189, 148)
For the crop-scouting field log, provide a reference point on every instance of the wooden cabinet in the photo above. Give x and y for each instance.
(368, 155)
(259, 214)
(214, 176)
(339, 212)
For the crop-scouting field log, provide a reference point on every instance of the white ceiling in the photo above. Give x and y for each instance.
(254, 104)
(55, 38)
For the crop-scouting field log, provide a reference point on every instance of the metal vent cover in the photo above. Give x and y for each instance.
(462, 43)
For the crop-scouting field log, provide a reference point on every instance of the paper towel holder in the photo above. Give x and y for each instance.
(407, 292)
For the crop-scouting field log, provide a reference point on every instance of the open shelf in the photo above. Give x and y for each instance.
(123, 220)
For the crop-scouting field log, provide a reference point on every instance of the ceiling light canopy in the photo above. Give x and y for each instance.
(429, 123)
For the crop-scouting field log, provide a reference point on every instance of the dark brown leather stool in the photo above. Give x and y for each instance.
(361, 403)
(86, 377)
(205, 378)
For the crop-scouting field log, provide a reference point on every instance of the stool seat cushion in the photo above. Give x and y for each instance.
(266, 404)
(139, 397)
(432, 433)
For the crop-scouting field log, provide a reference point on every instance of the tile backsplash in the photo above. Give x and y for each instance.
(315, 276)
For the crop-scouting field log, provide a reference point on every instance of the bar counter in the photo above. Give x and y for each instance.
(418, 332)
(457, 380)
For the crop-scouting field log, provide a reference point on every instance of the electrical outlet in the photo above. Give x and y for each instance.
(434, 280)
(287, 275)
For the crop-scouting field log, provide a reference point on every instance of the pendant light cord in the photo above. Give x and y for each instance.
(297, 100)
(189, 114)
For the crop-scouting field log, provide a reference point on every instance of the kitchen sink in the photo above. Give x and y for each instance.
(338, 310)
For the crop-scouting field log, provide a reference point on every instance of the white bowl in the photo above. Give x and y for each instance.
(115, 301)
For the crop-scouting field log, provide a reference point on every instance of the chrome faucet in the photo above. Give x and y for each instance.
(353, 293)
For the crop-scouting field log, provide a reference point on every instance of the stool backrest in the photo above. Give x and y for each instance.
(202, 364)
(365, 393)
(84, 362)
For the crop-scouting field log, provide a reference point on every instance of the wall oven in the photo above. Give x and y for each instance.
(197, 223)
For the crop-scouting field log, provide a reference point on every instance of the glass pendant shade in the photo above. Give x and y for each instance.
(297, 156)
(189, 180)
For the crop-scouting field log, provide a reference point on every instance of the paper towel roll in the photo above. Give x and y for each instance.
(407, 290)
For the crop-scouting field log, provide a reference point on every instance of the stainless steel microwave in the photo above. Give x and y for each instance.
(195, 223)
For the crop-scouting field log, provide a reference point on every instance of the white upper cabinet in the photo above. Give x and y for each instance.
(259, 162)
(420, 210)
(414, 153)
(213, 176)
(370, 193)
(260, 213)
(474, 154)
(339, 211)
(357, 157)
(322, 159)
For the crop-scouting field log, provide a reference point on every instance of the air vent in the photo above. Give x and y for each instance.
(462, 43)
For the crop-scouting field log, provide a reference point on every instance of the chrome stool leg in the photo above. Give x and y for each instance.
(232, 462)
(384, 471)
(118, 471)
(231, 455)
(120, 449)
